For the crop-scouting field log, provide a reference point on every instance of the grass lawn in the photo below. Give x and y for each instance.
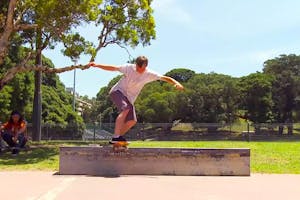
(266, 157)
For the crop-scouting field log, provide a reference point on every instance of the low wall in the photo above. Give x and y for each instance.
(103, 161)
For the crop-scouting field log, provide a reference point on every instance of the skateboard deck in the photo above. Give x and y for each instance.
(120, 146)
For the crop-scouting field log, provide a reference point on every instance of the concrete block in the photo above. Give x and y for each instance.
(103, 161)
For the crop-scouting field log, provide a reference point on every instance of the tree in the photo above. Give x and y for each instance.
(155, 104)
(256, 97)
(181, 74)
(123, 23)
(45, 22)
(18, 94)
(11, 21)
(5, 100)
(211, 98)
(104, 106)
(286, 88)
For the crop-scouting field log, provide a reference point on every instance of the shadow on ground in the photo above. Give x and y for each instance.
(29, 156)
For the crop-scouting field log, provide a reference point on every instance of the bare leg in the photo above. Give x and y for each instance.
(126, 126)
(120, 122)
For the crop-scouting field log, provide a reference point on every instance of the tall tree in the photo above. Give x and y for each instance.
(209, 99)
(127, 22)
(18, 94)
(156, 103)
(256, 97)
(286, 87)
(181, 74)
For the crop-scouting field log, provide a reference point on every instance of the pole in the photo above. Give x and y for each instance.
(100, 121)
(74, 89)
(94, 131)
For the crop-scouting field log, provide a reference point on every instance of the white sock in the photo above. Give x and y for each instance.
(116, 135)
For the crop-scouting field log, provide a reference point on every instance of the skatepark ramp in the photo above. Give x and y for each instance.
(103, 161)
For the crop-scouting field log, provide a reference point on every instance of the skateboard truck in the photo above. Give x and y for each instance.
(120, 146)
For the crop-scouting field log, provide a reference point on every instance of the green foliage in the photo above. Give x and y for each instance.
(5, 102)
(211, 98)
(256, 97)
(128, 22)
(155, 104)
(75, 45)
(3, 13)
(18, 94)
(286, 85)
(22, 95)
(56, 102)
(181, 74)
(121, 22)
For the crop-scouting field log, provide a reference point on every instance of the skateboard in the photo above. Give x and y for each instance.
(120, 146)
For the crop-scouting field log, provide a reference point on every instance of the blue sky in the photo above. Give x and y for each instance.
(232, 37)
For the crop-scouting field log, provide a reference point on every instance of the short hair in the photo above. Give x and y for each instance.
(141, 60)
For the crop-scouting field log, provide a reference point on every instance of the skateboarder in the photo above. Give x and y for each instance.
(125, 92)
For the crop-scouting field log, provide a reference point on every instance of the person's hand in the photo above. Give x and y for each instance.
(178, 86)
(91, 64)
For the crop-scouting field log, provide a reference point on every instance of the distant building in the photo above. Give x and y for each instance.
(80, 104)
(71, 90)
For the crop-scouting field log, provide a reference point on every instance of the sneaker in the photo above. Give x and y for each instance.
(118, 139)
(122, 139)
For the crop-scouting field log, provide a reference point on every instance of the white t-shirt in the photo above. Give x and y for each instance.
(133, 82)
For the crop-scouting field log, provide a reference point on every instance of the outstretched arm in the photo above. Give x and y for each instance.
(105, 67)
(172, 81)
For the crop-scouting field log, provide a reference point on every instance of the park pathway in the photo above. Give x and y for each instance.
(38, 185)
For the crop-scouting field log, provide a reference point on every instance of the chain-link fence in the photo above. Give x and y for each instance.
(173, 131)
(58, 132)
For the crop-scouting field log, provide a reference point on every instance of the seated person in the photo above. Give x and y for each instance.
(13, 132)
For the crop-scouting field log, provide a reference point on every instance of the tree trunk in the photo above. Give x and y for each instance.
(8, 29)
(37, 101)
(290, 129)
(290, 126)
(37, 107)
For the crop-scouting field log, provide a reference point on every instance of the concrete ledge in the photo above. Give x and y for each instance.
(103, 161)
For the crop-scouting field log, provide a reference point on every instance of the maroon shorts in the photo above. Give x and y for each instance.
(122, 103)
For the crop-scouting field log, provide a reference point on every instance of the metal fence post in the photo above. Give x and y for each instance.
(94, 131)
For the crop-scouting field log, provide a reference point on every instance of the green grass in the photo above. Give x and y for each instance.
(44, 158)
(266, 157)
(40, 156)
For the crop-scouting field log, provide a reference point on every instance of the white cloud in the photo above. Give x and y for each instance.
(172, 11)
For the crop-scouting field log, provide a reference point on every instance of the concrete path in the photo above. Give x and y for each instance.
(47, 186)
